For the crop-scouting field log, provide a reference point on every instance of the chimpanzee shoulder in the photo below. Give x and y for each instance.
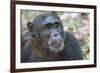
(25, 48)
(72, 48)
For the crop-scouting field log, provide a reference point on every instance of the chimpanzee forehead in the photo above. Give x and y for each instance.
(50, 18)
(46, 17)
(43, 19)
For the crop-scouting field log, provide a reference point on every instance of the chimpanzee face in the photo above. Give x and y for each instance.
(48, 30)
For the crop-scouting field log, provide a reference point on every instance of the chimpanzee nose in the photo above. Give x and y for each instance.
(55, 35)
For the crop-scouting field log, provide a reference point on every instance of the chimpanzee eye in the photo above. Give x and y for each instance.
(56, 24)
(48, 26)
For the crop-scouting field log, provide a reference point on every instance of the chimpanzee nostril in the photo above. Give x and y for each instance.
(55, 35)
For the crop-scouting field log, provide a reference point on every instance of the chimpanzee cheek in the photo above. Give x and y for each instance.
(45, 34)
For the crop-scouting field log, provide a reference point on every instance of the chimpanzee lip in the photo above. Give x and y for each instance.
(56, 44)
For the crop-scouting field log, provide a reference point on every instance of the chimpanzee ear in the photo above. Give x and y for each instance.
(29, 26)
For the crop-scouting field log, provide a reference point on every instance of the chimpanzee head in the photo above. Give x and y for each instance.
(47, 29)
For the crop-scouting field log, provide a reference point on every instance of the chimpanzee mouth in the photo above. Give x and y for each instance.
(56, 46)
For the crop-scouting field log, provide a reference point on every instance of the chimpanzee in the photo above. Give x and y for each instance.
(46, 40)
